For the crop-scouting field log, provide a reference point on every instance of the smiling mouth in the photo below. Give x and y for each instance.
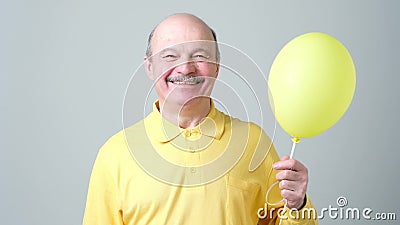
(185, 80)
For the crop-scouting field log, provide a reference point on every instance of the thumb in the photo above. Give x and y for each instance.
(285, 157)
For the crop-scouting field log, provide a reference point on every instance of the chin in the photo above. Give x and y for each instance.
(184, 99)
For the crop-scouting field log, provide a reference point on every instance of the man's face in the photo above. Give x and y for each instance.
(184, 64)
(185, 71)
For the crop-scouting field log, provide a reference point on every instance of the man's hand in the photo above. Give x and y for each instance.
(293, 180)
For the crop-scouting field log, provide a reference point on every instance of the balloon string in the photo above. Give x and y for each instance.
(292, 151)
(262, 211)
(295, 140)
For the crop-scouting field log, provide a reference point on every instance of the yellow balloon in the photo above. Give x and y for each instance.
(312, 82)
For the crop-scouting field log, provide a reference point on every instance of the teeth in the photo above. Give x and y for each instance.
(189, 80)
(185, 82)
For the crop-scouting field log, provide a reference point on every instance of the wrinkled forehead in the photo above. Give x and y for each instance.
(205, 47)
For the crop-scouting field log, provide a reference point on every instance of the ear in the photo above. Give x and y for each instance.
(149, 67)
(217, 70)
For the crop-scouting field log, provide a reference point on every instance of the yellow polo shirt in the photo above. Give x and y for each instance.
(157, 173)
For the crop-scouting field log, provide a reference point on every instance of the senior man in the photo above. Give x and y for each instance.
(187, 162)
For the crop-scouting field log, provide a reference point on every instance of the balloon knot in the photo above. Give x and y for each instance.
(296, 140)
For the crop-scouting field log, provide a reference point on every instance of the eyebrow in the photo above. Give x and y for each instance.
(174, 50)
(167, 50)
(201, 50)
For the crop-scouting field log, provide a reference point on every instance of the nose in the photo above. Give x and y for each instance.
(186, 68)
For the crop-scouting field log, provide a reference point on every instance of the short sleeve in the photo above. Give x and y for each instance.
(103, 202)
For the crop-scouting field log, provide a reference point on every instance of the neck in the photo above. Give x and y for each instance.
(188, 115)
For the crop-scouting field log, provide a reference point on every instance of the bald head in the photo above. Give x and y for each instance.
(176, 29)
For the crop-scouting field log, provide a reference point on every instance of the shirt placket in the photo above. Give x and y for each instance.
(193, 171)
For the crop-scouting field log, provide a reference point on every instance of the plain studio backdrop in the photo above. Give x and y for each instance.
(65, 67)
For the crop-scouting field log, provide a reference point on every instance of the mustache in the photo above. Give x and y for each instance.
(186, 78)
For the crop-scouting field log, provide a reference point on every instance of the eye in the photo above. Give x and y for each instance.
(169, 57)
(200, 57)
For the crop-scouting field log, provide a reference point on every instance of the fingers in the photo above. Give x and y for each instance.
(293, 199)
(290, 175)
(289, 164)
(293, 180)
(287, 185)
(292, 196)
(293, 192)
(294, 188)
(285, 157)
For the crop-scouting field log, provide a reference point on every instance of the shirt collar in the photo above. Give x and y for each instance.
(161, 130)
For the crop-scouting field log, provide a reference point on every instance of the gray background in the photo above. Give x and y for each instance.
(65, 66)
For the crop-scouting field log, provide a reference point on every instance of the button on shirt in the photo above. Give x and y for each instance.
(157, 173)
